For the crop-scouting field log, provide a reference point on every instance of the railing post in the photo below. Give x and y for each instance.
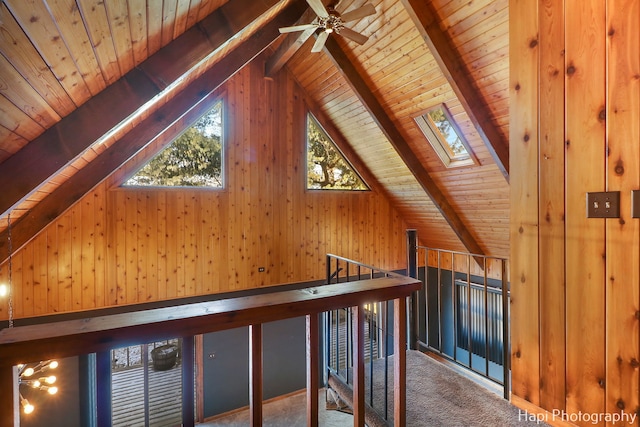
(412, 267)
(145, 381)
(358, 369)
(506, 342)
(400, 362)
(313, 354)
(255, 374)
(328, 270)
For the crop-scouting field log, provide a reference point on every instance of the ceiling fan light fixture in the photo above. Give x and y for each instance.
(329, 20)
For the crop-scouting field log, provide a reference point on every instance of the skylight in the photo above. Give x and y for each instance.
(445, 137)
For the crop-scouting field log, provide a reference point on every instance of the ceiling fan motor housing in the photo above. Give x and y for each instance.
(331, 23)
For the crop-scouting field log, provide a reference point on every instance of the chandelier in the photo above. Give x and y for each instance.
(35, 377)
(30, 376)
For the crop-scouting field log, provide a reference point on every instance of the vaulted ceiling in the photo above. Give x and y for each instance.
(86, 84)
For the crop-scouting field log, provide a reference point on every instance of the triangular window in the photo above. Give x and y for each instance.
(327, 168)
(194, 159)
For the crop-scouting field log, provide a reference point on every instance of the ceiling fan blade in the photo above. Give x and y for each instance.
(319, 44)
(361, 12)
(294, 28)
(318, 8)
(305, 35)
(352, 35)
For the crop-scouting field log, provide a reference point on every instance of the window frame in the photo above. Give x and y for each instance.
(311, 116)
(438, 142)
(223, 158)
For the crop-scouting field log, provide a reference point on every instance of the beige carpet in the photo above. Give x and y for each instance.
(438, 396)
(286, 412)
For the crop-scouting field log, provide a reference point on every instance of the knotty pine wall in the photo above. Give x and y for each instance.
(575, 128)
(122, 246)
(464, 263)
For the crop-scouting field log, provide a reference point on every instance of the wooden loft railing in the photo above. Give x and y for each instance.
(98, 334)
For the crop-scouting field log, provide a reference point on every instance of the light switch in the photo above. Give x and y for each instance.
(605, 204)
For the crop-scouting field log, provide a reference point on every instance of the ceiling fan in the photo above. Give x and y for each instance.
(329, 20)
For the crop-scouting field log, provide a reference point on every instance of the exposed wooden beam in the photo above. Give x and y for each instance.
(289, 46)
(193, 101)
(396, 139)
(445, 54)
(122, 101)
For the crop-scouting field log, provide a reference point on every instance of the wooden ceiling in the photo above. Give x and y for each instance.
(78, 76)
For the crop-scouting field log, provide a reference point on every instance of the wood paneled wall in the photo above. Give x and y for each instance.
(123, 246)
(464, 263)
(575, 128)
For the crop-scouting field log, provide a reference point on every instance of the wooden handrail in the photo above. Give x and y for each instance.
(96, 334)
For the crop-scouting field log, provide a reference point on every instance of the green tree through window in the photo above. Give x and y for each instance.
(327, 169)
(441, 121)
(194, 159)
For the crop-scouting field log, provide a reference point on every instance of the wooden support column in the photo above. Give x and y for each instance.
(199, 377)
(400, 362)
(255, 374)
(313, 354)
(358, 369)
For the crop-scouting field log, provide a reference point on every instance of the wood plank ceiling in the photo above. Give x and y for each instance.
(65, 62)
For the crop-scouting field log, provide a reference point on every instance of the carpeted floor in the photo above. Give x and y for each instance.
(286, 412)
(437, 396)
